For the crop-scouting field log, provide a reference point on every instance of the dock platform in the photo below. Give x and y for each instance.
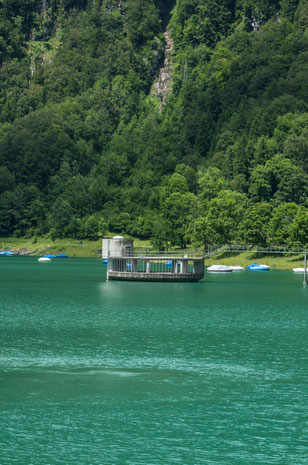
(126, 264)
(155, 268)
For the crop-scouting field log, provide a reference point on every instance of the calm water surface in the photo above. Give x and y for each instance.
(95, 372)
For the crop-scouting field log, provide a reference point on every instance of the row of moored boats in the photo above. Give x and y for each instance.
(253, 267)
(230, 268)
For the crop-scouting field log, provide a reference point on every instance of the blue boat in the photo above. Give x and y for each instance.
(49, 256)
(7, 253)
(104, 262)
(256, 267)
(62, 255)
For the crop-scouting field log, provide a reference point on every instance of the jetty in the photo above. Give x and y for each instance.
(125, 264)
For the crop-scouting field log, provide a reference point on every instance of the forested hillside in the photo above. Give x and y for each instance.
(87, 145)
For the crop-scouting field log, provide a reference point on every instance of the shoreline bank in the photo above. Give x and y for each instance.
(91, 249)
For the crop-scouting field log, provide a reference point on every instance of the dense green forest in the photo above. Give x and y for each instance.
(86, 146)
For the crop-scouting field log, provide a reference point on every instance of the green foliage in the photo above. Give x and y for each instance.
(7, 180)
(211, 183)
(255, 224)
(224, 214)
(20, 210)
(299, 228)
(279, 180)
(281, 223)
(288, 8)
(84, 146)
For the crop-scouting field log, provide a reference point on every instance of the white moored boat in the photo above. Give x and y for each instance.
(299, 270)
(44, 259)
(219, 269)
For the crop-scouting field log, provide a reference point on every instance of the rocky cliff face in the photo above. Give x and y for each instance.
(163, 84)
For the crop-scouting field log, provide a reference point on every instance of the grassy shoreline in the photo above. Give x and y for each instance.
(41, 246)
(89, 249)
(71, 247)
(275, 261)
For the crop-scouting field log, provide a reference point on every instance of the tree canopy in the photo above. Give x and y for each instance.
(85, 145)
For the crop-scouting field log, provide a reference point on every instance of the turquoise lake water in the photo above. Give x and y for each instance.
(122, 373)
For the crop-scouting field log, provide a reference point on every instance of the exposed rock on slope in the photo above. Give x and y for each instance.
(163, 84)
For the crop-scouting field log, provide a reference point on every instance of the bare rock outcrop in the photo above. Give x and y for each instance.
(163, 84)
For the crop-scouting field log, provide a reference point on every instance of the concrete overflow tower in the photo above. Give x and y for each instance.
(124, 264)
(117, 247)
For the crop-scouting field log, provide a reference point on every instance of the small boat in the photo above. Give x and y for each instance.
(105, 261)
(256, 267)
(49, 256)
(7, 253)
(219, 269)
(300, 270)
(62, 255)
(236, 268)
(44, 259)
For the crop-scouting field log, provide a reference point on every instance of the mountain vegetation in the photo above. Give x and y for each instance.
(86, 146)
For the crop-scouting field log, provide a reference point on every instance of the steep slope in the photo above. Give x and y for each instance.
(83, 137)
